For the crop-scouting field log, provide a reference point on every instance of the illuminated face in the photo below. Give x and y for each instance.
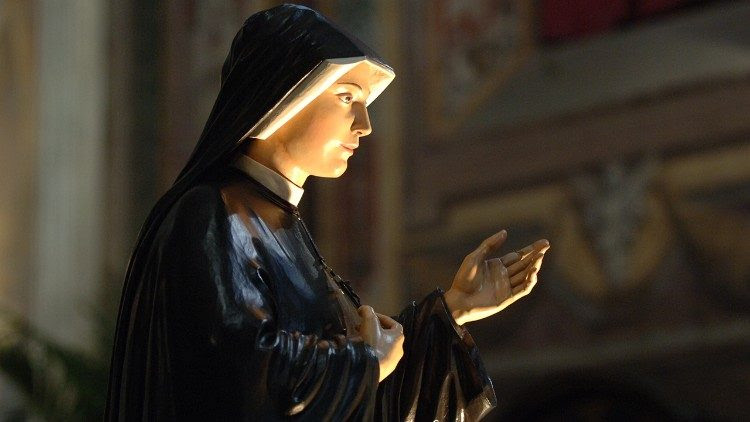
(321, 137)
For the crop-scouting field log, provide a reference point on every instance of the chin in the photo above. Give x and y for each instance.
(339, 171)
(332, 172)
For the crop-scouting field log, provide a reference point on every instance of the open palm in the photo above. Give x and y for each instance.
(484, 286)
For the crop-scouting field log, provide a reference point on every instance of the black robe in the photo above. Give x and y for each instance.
(248, 324)
(227, 310)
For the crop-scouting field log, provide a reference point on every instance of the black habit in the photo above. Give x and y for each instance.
(229, 312)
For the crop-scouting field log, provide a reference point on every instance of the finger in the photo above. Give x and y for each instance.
(537, 264)
(524, 289)
(389, 323)
(524, 252)
(491, 244)
(511, 258)
(522, 264)
(521, 290)
(365, 310)
(370, 324)
(517, 279)
(519, 266)
(396, 330)
(518, 274)
(527, 283)
(539, 245)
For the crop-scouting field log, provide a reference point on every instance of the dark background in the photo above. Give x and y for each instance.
(618, 130)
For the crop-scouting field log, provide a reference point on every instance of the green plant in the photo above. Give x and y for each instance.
(59, 383)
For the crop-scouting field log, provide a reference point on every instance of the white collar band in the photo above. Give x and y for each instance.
(275, 182)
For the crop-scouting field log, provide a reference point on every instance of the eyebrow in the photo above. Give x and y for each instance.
(352, 83)
(364, 93)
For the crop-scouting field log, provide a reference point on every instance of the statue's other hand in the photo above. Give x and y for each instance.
(385, 335)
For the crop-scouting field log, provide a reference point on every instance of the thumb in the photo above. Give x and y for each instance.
(370, 323)
(388, 323)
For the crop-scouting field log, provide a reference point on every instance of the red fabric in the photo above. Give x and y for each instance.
(651, 7)
(572, 19)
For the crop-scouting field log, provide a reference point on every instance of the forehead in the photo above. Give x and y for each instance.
(361, 75)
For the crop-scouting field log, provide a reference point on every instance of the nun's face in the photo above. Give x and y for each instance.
(320, 139)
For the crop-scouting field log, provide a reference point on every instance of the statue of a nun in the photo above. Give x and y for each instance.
(230, 313)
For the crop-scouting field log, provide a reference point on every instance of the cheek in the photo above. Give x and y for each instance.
(316, 135)
(309, 143)
(328, 129)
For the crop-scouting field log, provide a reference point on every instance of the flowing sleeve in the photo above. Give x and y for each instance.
(226, 357)
(441, 376)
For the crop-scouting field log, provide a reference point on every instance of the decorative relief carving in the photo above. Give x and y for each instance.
(709, 195)
(473, 47)
(615, 232)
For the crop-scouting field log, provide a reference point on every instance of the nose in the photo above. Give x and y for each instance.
(361, 124)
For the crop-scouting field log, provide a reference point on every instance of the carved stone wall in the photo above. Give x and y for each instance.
(639, 178)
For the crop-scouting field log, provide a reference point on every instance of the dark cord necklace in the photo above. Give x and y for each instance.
(343, 284)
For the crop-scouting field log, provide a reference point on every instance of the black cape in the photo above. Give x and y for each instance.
(229, 313)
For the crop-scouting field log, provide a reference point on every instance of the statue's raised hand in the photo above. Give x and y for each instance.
(484, 286)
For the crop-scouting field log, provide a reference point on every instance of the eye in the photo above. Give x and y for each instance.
(346, 97)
